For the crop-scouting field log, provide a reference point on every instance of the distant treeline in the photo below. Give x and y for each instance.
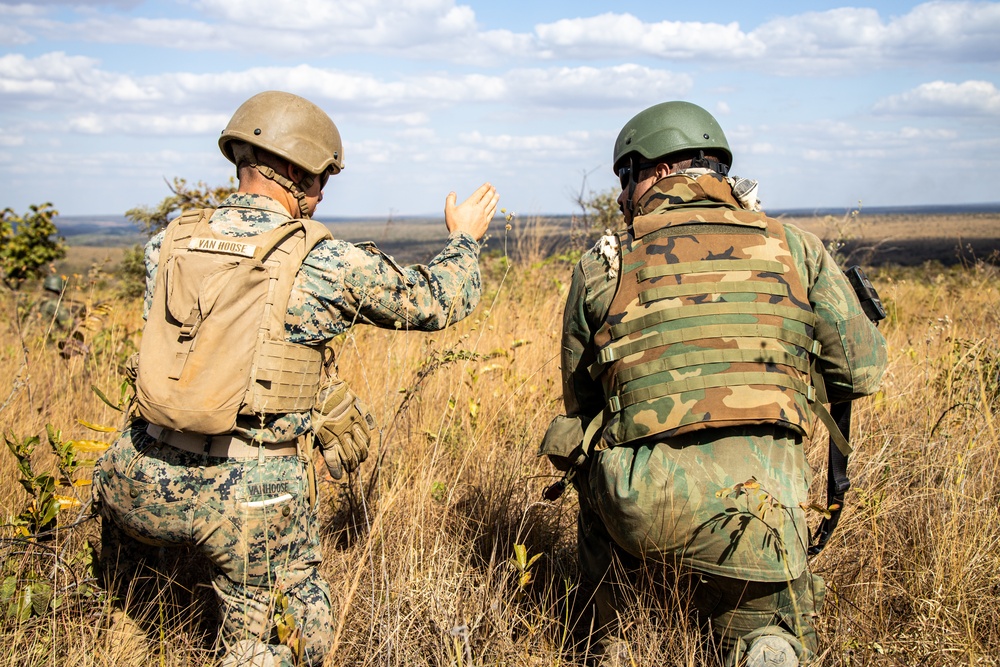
(119, 225)
(412, 239)
(935, 209)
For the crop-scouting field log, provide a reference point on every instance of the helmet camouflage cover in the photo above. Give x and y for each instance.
(671, 127)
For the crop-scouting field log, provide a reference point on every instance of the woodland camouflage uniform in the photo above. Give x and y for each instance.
(56, 311)
(719, 505)
(252, 517)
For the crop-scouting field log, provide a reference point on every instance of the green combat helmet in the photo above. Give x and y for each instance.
(670, 127)
(54, 284)
(290, 127)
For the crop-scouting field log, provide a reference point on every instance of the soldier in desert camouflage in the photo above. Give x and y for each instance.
(688, 350)
(242, 493)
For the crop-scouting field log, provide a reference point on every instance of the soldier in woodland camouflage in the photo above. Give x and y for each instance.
(243, 498)
(56, 312)
(696, 346)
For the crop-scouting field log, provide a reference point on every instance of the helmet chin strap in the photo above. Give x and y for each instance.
(245, 153)
(629, 204)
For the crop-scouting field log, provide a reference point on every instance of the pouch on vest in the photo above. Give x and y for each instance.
(563, 441)
(213, 346)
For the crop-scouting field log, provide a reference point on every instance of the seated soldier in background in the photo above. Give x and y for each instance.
(56, 311)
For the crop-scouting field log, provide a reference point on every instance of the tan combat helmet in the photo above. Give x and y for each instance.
(290, 127)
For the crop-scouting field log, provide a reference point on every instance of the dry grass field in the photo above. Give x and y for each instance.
(910, 239)
(421, 544)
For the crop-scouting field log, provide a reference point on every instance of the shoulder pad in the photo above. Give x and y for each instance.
(193, 215)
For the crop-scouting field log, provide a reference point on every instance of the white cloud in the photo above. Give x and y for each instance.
(842, 155)
(616, 34)
(848, 38)
(13, 36)
(832, 41)
(911, 133)
(9, 139)
(759, 148)
(569, 87)
(564, 144)
(422, 28)
(962, 31)
(56, 81)
(59, 78)
(354, 21)
(942, 98)
(153, 164)
(74, 3)
(148, 124)
(835, 40)
(412, 121)
(20, 9)
(844, 145)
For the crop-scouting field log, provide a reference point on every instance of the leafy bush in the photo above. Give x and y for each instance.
(28, 243)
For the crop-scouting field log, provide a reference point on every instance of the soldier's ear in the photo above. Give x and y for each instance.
(662, 169)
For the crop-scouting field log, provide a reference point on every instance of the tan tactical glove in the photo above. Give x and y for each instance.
(343, 428)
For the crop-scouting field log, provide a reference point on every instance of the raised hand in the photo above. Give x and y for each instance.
(474, 214)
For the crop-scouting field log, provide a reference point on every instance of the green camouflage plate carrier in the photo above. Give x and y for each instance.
(710, 326)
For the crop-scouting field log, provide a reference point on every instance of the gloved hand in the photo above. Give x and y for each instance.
(343, 428)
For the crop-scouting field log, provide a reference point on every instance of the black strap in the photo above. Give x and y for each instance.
(837, 482)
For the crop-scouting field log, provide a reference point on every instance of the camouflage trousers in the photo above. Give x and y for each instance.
(732, 611)
(252, 520)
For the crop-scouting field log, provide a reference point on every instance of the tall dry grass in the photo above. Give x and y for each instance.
(421, 545)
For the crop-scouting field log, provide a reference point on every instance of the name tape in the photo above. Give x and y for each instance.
(220, 246)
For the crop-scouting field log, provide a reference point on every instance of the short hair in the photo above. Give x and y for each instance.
(686, 160)
(245, 155)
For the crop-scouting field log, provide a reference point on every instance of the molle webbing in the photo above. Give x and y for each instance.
(710, 266)
(624, 349)
(708, 309)
(678, 361)
(691, 289)
(706, 382)
(284, 376)
(710, 326)
(699, 220)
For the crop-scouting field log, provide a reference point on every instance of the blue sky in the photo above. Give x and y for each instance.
(827, 104)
